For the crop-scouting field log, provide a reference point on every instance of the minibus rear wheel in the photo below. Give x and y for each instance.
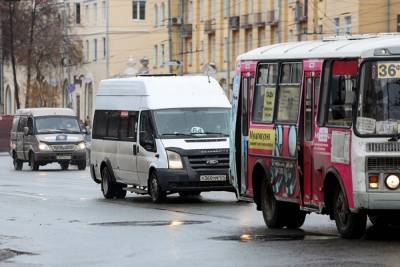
(350, 225)
(109, 188)
(273, 210)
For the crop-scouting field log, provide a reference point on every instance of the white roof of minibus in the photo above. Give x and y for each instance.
(36, 112)
(163, 92)
(351, 46)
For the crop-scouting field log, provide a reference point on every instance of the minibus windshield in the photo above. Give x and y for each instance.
(175, 123)
(57, 124)
(379, 103)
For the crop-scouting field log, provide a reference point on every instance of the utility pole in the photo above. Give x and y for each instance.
(67, 59)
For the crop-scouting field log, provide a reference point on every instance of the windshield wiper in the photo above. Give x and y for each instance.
(176, 133)
(218, 133)
(69, 131)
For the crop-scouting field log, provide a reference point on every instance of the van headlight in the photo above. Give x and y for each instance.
(81, 146)
(392, 181)
(174, 160)
(44, 147)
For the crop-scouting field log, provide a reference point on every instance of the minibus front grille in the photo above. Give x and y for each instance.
(62, 148)
(383, 164)
(383, 147)
(217, 161)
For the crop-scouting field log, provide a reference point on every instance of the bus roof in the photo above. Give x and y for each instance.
(351, 46)
(36, 112)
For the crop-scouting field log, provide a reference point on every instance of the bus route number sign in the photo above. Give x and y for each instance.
(388, 70)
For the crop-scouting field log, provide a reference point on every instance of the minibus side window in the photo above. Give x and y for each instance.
(128, 126)
(100, 124)
(147, 132)
(264, 93)
(289, 92)
(22, 123)
(113, 124)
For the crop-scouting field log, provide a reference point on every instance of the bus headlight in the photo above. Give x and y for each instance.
(44, 147)
(392, 181)
(81, 146)
(174, 160)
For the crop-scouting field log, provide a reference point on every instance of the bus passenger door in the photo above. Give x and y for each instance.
(244, 132)
(311, 86)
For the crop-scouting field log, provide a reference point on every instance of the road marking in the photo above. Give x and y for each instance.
(23, 195)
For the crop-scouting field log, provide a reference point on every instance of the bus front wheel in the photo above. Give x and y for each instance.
(350, 225)
(273, 210)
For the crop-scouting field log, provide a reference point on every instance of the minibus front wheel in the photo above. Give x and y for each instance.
(350, 225)
(155, 191)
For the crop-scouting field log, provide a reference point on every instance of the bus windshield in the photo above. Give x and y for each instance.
(379, 104)
(175, 123)
(57, 124)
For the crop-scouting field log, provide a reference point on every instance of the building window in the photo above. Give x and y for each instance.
(95, 13)
(104, 9)
(95, 49)
(139, 9)
(337, 25)
(155, 55)
(347, 24)
(162, 14)
(104, 47)
(211, 48)
(162, 57)
(226, 47)
(87, 51)
(78, 13)
(261, 37)
(249, 41)
(155, 16)
(202, 52)
(190, 53)
(87, 15)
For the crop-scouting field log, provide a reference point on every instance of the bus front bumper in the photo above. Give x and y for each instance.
(377, 201)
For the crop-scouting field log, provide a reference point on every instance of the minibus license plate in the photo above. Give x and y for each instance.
(212, 178)
(63, 157)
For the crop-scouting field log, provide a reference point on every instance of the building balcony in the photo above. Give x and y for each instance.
(246, 21)
(187, 30)
(209, 26)
(272, 18)
(259, 19)
(234, 23)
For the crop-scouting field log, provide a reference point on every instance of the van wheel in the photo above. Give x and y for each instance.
(64, 165)
(107, 186)
(18, 164)
(82, 165)
(294, 216)
(155, 190)
(350, 225)
(273, 210)
(32, 162)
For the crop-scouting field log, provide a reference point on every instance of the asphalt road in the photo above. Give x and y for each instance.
(59, 218)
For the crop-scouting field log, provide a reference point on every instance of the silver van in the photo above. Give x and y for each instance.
(41, 136)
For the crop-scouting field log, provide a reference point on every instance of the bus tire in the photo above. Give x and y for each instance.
(107, 185)
(294, 216)
(349, 225)
(273, 210)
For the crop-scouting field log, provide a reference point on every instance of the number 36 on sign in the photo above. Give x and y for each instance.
(388, 70)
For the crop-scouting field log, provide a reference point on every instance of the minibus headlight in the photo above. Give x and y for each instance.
(392, 181)
(44, 147)
(81, 146)
(174, 160)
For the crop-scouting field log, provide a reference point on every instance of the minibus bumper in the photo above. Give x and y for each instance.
(51, 156)
(182, 181)
(377, 201)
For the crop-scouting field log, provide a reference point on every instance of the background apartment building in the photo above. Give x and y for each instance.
(190, 37)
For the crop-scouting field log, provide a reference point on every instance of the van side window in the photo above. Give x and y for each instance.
(30, 125)
(113, 124)
(100, 124)
(340, 95)
(22, 123)
(146, 131)
(128, 126)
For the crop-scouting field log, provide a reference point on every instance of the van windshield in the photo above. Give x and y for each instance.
(57, 124)
(197, 122)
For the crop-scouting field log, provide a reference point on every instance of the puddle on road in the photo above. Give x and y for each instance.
(6, 254)
(267, 237)
(150, 223)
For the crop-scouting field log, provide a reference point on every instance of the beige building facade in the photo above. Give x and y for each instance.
(191, 37)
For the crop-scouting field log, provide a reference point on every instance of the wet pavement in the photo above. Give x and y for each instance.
(59, 218)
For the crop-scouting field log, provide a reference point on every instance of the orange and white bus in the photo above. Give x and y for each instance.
(315, 128)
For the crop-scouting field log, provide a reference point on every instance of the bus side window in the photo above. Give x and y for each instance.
(340, 94)
(245, 92)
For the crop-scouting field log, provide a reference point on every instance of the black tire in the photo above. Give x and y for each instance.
(155, 190)
(349, 225)
(190, 194)
(107, 186)
(294, 216)
(64, 165)
(82, 165)
(18, 164)
(120, 191)
(32, 162)
(273, 210)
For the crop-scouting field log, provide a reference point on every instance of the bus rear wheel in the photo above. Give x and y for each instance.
(350, 225)
(273, 210)
(294, 216)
